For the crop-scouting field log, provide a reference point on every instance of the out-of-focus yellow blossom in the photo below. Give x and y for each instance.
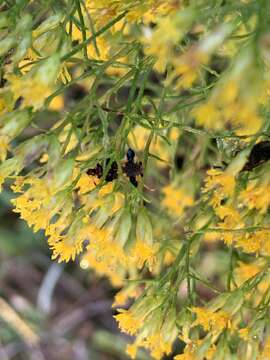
(265, 352)
(57, 103)
(147, 10)
(161, 42)
(98, 50)
(244, 333)
(255, 196)
(208, 116)
(121, 297)
(87, 183)
(187, 67)
(132, 350)
(101, 49)
(245, 271)
(4, 146)
(212, 236)
(35, 86)
(236, 98)
(176, 199)
(138, 139)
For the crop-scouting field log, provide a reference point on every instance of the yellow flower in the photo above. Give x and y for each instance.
(138, 138)
(103, 265)
(35, 86)
(212, 236)
(256, 197)
(106, 189)
(187, 67)
(176, 199)
(144, 253)
(103, 254)
(157, 345)
(244, 333)
(123, 295)
(208, 115)
(254, 242)
(211, 321)
(87, 183)
(64, 74)
(219, 178)
(4, 146)
(34, 203)
(127, 322)
(132, 350)
(57, 103)
(265, 353)
(160, 42)
(63, 250)
(245, 271)
(231, 220)
(221, 183)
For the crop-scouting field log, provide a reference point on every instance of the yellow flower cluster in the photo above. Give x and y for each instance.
(132, 131)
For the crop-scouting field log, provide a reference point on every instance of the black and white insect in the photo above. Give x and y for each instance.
(111, 175)
(131, 168)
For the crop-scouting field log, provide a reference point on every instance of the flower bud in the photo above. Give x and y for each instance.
(61, 175)
(48, 71)
(32, 149)
(144, 231)
(12, 124)
(234, 302)
(4, 20)
(22, 48)
(7, 43)
(218, 302)
(222, 352)
(203, 347)
(124, 228)
(54, 152)
(9, 167)
(184, 316)
(48, 24)
(24, 24)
